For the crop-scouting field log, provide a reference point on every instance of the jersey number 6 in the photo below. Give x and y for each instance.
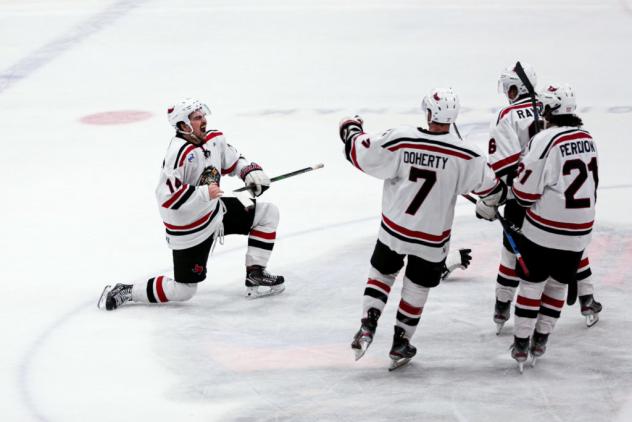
(429, 178)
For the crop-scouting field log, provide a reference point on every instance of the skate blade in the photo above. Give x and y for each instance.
(592, 320)
(533, 361)
(398, 363)
(103, 297)
(255, 293)
(364, 345)
(499, 327)
(521, 367)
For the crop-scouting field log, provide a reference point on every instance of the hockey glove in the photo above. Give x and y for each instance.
(457, 259)
(350, 127)
(254, 177)
(485, 211)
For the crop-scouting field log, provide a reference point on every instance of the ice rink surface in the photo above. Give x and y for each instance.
(84, 86)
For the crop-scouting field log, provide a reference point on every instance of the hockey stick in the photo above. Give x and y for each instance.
(287, 175)
(507, 227)
(527, 83)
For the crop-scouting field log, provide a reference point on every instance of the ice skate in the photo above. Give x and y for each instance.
(502, 311)
(363, 338)
(402, 351)
(538, 346)
(260, 283)
(113, 297)
(590, 309)
(520, 351)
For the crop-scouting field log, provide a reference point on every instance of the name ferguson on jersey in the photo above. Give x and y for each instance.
(577, 147)
(426, 160)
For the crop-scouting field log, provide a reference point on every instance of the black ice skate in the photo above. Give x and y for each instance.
(363, 338)
(260, 283)
(590, 309)
(402, 351)
(538, 346)
(112, 298)
(520, 351)
(502, 311)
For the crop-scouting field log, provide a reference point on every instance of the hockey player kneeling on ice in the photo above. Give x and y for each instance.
(557, 186)
(424, 172)
(195, 214)
(509, 138)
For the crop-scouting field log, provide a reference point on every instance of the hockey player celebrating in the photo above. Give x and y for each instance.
(195, 214)
(509, 135)
(557, 185)
(423, 171)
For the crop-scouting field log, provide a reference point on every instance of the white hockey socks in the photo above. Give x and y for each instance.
(507, 280)
(584, 278)
(162, 289)
(411, 306)
(551, 307)
(378, 287)
(262, 235)
(527, 308)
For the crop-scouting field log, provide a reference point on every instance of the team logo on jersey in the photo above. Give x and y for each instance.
(191, 157)
(209, 175)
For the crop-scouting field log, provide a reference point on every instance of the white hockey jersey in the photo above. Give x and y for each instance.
(190, 216)
(559, 185)
(509, 135)
(423, 174)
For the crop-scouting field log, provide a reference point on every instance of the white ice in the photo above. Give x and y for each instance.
(78, 210)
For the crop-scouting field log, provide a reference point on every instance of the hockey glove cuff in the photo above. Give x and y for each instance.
(350, 127)
(254, 177)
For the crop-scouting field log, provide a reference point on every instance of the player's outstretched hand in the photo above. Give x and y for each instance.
(254, 177)
(214, 191)
(485, 211)
(350, 126)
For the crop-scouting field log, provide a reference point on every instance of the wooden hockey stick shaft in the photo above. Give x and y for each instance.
(287, 175)
(507, 227)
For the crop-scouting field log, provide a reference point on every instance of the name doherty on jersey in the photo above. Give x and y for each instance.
(426, 160)
(577, 147)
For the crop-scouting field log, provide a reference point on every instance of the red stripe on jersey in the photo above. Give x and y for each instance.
(507, 271)
(525, 301)
(560, 224)
(553, 302)
(488, 191)
(416, 234)
(378, 283)
(408, 308)
(263, 235)
(159, 289)
(185, 153)
(192, 225)
(505, 162)
(230, 169)
(525, 196)
(583, 263)
(511, 108)
(212, 135)
(571, 137)
(431, 148)
(354, 158)
(175, 196)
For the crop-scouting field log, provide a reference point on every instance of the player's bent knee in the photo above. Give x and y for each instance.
(184, 291)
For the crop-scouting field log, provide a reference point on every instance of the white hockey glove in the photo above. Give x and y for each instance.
(254, 177)
(456, 259)
(350, 127)
(485, 211)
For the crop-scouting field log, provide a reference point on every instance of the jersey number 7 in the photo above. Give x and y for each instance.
(429, 178)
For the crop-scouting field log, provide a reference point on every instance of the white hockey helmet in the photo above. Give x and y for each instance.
(509, 78)
(443, 104)
(181, 111)
(559, 99)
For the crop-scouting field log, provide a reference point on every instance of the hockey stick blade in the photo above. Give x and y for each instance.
(288, 175)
